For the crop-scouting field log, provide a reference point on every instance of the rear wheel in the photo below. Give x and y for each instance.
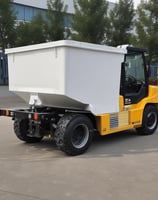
(21, 128)
(150, 121)
(74, 134)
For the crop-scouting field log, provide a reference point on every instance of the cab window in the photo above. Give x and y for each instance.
(134, 73)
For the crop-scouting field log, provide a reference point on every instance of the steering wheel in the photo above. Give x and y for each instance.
(131, 80)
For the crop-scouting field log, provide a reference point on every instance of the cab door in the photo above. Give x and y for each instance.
(134, 84)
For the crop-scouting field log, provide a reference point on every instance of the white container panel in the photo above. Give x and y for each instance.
(67, 74)
(94, 79)
(39, 71)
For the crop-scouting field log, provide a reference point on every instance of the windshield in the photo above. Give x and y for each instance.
(134, 67)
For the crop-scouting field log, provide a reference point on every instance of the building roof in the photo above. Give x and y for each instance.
(43, 4)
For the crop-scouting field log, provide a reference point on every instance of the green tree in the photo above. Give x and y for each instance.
(38, 29)
(147, 28)
(55, 27)
(23, 34)
(90, 20)
(121, 23)
(7, 24)
(31, 32)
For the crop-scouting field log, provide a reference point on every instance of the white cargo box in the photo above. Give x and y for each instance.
(67, 74)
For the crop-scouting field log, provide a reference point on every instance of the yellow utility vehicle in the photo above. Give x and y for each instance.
(76, 89)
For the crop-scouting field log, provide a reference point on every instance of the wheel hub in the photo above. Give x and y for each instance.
(80, 136)
(152, 120)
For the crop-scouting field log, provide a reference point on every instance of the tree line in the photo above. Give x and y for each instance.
(93, 21)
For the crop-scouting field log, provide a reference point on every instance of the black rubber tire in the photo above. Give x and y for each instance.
(74, 134)
(150, 121)
(21, 131)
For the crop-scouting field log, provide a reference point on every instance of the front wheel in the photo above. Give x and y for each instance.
(150, 121)
(74, 134)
